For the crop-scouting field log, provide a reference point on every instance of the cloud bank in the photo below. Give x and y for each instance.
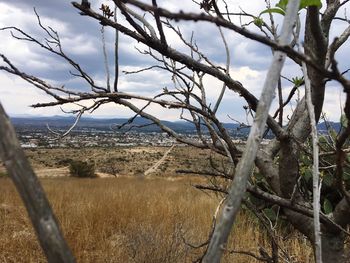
(81, 39)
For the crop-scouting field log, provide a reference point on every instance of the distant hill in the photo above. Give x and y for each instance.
(322, 127)
(139, 124)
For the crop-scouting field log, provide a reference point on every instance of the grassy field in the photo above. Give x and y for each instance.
(130, 219)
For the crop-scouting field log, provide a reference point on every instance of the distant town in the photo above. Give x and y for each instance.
(43, 132)
(94, 138)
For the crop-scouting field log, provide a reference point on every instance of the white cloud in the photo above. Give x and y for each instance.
(26, 19)
(17, 96)
(26, 54)
(249, 60)
(334, 103)
(80, 45)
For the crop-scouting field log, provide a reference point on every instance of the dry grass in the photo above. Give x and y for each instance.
(128, 220)
(123, 160)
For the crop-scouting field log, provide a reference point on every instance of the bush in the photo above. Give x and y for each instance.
(82, 169)
(64, 162)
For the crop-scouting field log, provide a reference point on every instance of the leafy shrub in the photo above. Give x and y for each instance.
(82, 169)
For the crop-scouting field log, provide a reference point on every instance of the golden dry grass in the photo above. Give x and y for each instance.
(128, 219)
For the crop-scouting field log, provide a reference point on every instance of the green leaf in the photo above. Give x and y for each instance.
(258, 22)
(346, 176)
(333, 133)
(307, 174)
(273, 10)
(327, 206)
(322, 139)
(282, 4)
(306, 3)
(328, 179)
(298, 81)
(343, 120)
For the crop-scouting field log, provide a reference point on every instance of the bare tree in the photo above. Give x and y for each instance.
(284, 162)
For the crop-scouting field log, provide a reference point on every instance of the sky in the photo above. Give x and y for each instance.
(81, 40)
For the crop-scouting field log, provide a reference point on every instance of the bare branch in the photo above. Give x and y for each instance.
(244, 167)
(228, 60)
(337, 43)
(105, 56)
(58, 51)
(243, 31)
(315, 171)
(159, 23)
(142, 20)
(116, 53)
(62, 135)
(189, 62)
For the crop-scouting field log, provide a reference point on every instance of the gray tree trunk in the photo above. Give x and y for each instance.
(333, 248)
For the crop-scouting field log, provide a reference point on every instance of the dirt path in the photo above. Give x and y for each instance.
(52, 172)
(157, 164)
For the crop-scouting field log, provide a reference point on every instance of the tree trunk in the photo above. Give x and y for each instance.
(333, 248)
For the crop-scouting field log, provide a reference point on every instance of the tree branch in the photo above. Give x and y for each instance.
(244, 167)
(32, 194)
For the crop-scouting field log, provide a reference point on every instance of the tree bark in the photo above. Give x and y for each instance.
(333, 248)
(32, 194)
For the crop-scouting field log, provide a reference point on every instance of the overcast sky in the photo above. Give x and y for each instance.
(81, 38)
